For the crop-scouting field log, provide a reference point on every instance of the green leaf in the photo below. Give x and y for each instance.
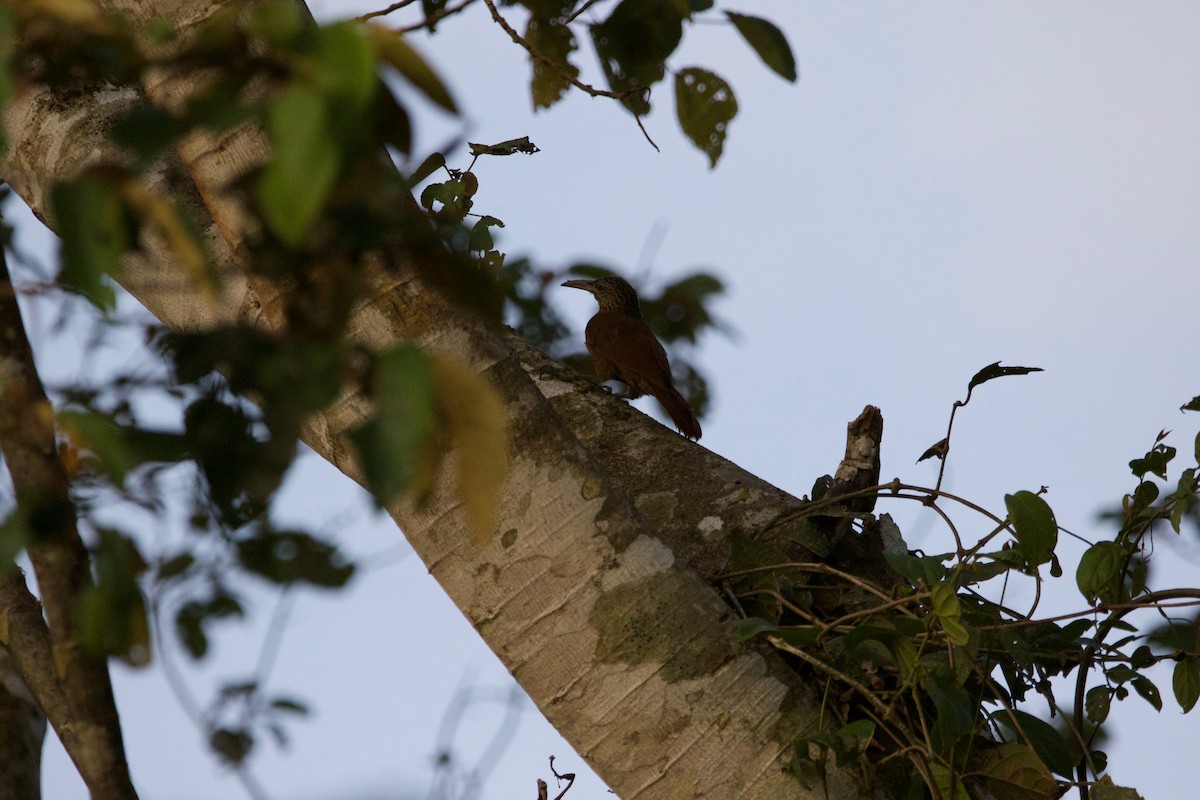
(924, 569)
(1033, 522)
(752, 626)
(949, 784)
(1047, 742)
(96, 229)
(1186, 683)
(304, 164)
(633, 45)
(1097, 704)
(1014, 772)
(1191, 405)
(345, 71)
(768, 41)
(949, 613)
(395, 446)
(1146, 688)
(395, 50)
(705, 104)
(432, 163)
(555, 42)
(481, 233)
(276, 21)
(1155, 461)
(1105, 789)
(15, 536)
(112, 613)
(955, 709)
(856, 736)
(1099, 572)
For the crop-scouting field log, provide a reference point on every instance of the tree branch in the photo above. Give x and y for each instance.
(85, 715)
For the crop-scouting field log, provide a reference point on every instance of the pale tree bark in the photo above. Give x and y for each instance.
(594, 590)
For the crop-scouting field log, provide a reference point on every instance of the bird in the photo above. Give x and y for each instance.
(623, 348)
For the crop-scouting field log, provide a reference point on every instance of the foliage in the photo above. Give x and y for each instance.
(933, 677)
(221, 410)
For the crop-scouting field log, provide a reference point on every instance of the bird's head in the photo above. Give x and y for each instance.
(611, 292)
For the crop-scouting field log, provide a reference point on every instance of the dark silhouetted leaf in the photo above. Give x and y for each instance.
(1099, 572)
(992, 371)
(395, 50)
(633, 45)
(96, 229)
(555, 42)
(938, 450)
(1047, 742)
(1097, 703)
(1146, 688)
(927, 569)
(395, 446)
(1185, 682)
(505, 148)
(1034, 525)
(287, 557)
(768, 41)
(232, 745)
(1154, 462)
(1014, 772)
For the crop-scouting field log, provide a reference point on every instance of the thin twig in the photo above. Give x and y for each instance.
(563, 73)
(384, 12)
(546, 60)
(435, 18)
(579, 11)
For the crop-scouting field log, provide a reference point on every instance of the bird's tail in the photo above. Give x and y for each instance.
(679, 411)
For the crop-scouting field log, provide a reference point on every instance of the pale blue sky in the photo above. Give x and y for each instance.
(946, 186)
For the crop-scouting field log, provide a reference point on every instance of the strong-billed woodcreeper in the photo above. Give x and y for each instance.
(623, 348)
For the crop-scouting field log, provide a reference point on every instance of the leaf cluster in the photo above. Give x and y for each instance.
(932, 680)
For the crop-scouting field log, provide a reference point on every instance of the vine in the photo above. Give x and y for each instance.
(927, 670)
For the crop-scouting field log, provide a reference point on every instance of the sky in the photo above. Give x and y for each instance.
(946, 186)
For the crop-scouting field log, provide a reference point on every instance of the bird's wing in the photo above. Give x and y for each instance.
(627, 344)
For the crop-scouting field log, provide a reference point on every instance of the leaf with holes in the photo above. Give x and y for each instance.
(555, 42)
(633, 45)
(705, 104)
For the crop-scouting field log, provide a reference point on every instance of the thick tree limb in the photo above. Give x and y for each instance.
(591, 590)
(70, 683)
(22, 730)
